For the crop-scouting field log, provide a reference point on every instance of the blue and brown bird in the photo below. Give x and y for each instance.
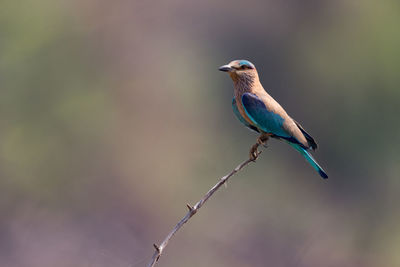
(257, 110)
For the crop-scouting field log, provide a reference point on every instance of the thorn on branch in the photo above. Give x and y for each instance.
(157, 248)
(191, 209)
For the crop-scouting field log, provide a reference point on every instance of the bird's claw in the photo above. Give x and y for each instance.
(262, 139)
(254, 153)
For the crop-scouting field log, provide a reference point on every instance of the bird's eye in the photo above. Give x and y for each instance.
(243, 67)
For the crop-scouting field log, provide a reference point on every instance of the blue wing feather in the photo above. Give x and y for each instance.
(240, 117)
(310, 160)
(264, 119)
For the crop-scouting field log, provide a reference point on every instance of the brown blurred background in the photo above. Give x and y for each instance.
(113, 116)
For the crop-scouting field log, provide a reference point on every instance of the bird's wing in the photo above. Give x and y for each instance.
(266, 120)
(240, 117)
(309, 138)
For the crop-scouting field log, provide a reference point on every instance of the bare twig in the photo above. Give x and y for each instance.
(192, 210)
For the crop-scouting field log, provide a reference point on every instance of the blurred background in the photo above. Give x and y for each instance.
(113, 116)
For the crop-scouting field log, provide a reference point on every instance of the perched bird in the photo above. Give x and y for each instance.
(257, 110)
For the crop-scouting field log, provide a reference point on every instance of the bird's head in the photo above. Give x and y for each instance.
(241, 70)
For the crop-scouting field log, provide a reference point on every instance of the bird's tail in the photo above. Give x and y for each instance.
(310, 160)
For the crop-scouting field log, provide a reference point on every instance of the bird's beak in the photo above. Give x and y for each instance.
(226, 68)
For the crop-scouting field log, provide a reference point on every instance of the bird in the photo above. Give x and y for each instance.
(257, 110)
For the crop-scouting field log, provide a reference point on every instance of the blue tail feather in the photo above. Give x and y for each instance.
(310, 160)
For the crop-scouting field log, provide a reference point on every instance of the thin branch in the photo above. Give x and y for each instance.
(192, 210)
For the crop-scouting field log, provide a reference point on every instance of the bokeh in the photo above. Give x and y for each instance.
(113, 116)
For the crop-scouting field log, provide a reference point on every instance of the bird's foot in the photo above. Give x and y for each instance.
(262, 139)
(254, 153)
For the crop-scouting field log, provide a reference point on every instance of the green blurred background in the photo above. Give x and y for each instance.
(114, 116)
